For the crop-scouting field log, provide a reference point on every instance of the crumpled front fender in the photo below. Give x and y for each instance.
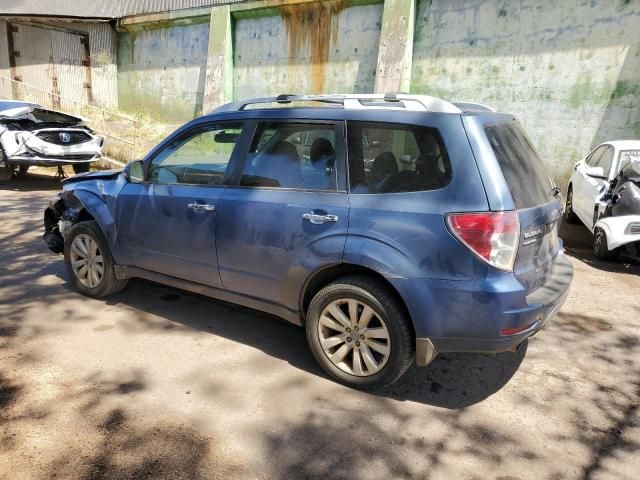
(91, 198)
(620, 230)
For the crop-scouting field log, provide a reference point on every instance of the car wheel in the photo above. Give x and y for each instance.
(6, 170)
(600, 246)
(89, 262)
(359, 333)
(81, 167)
(570, 215)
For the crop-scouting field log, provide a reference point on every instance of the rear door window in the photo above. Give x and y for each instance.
(294, 156)
(527, 178)
(393, 158)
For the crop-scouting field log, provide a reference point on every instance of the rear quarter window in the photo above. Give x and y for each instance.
(527, 178)
(395, 158)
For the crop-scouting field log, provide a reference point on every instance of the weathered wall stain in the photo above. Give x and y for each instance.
(320, 47)
(312, 25)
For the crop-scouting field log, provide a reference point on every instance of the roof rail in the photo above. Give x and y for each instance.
(392, 100)
(473, 107)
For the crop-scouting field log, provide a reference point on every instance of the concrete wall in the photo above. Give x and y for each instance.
(570, 71)
(307, 48)
(161, 68)
(5, 87)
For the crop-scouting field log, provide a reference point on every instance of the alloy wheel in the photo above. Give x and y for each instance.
(353, 337)
(87, 261)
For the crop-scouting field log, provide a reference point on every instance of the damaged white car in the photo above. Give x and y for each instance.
(31, 135)
(604, 194)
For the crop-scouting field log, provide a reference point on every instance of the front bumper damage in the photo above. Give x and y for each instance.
(59, 216)
(33, 151)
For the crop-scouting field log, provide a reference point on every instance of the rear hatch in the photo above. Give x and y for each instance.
(535, 198)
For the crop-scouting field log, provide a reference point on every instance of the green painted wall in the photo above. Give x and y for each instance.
(570, 71)
(161, 69)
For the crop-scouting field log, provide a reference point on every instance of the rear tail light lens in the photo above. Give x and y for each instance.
(493, 236)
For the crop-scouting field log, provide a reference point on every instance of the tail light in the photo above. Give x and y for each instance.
(493, 236)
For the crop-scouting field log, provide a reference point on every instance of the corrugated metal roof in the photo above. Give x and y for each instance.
(100, 9)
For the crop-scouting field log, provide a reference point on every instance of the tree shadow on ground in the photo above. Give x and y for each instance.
(452, 381)
(131, 450)
(31, 182)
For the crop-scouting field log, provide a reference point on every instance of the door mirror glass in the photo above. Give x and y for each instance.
(595, 172)
(133, 172)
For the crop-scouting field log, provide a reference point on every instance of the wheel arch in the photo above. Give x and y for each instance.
(323, 276)
(91, 207)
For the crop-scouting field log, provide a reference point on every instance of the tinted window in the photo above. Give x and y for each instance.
(200, 157)
(292, 155)
(529, 182)
(389, 158)
(606, 160)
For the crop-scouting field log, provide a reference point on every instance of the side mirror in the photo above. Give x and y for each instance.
(133, 172)
(595, 172)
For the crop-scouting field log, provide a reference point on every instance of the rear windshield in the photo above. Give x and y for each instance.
(529, 182)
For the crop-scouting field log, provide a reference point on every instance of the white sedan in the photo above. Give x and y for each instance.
(591, 197)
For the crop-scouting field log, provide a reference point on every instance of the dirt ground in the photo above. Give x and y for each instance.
(157, 383)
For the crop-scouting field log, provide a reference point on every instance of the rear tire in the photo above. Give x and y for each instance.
(85, 247)
(371, 326)
(600, 246)
(81, 168)
(569, 214)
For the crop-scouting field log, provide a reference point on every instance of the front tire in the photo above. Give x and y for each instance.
(359, 333)
(81, 168)
(89, 262)
(570, 215)
(600, 246)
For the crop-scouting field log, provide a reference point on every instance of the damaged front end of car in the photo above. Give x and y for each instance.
(62, 213)
(90, 196)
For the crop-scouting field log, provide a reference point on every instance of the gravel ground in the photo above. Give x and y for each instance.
(158, 383)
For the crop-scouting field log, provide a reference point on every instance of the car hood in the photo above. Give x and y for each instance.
(103, 174)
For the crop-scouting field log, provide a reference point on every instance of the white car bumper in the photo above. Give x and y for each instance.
(33, 150)
(620, 230)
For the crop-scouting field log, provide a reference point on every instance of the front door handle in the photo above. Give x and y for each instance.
(201, 207)
(319, 219)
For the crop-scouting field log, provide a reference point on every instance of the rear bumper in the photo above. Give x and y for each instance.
(471, 316)
(620, 230)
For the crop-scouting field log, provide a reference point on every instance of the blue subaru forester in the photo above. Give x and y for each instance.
(391, 227)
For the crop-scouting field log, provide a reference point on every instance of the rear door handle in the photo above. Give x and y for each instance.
(319, 219)
(201, 207)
